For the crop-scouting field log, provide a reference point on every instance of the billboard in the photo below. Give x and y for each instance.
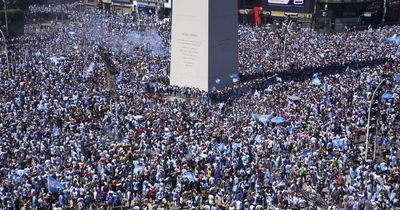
(297, 6)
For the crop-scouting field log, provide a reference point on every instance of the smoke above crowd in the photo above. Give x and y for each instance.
(126, 40)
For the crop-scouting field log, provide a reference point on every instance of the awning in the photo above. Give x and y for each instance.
(122, 1)
(246, 11)
(146, 5)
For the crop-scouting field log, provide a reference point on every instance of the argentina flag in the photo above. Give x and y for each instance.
(54, 185)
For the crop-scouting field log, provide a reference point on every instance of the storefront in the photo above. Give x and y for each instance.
(122, 6)
(246, 16)
(168, 8)
(106, 5)
(303, 20)
(147, 7)
(91, 2)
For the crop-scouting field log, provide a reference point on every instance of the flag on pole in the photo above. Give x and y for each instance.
(325, 86)
(54, 185)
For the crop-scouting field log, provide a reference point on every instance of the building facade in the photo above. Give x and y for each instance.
(162, 7)
(339, 14)
(319, 14)
(122, 6)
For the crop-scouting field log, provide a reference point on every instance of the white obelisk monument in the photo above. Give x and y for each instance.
(204, 50)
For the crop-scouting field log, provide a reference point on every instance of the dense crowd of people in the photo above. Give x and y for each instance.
(300, 49)
(291, 143)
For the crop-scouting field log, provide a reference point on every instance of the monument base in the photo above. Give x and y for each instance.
(204, 52)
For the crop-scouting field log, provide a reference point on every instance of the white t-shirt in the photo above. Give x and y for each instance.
(211, 199)
(238, 205)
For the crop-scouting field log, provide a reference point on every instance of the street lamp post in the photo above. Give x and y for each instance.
(5, 13)
(284, 44)
(6, 50)
(157, 17)
(359, 19)
(384, 11)
(365, 14)
(131, 180)
(284, 52)
(369, 120)
(244, 8)
(138, 17)
(326, 15)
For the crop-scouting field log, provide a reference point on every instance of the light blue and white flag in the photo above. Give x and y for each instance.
(54, 185)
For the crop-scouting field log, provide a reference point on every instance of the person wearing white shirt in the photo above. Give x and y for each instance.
(211, 199)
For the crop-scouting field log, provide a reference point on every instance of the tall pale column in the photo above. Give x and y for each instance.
(204, 43)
